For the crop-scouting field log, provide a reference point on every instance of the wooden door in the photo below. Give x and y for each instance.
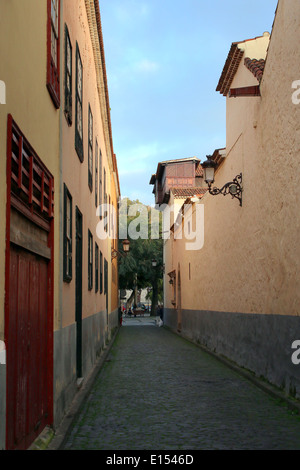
(29, 286)
(27, 372)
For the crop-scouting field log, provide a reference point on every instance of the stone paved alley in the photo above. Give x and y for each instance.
(157, 391)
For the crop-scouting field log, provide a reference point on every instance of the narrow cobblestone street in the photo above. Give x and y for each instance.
(157, 391)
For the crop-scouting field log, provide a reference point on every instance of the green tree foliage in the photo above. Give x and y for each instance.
(136, 270)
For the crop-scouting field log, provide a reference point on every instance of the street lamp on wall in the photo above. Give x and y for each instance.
(126, 246)
(234, 187)
(116, 253)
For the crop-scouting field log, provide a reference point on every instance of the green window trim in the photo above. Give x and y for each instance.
(78, 106)
(53, 51)
(105, 277)
(68, 77)
(90, 260)
(90, 150)
(96, 267)
(101, 273)
(67, 236)
(105, 213)
(96, 174)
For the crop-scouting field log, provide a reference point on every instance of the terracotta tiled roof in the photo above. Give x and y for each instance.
(256, 67)
(219, 155)
(199, 170)
(181, 193)
(231, 65)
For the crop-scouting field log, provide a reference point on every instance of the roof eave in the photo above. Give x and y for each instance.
(229, 70)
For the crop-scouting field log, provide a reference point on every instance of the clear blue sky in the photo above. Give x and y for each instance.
(164, 59)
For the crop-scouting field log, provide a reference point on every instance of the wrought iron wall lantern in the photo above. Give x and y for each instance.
(172, 276)
(234, 187)
(116, 253)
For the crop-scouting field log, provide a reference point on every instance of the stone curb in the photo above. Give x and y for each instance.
(44, 439)
(51, 439)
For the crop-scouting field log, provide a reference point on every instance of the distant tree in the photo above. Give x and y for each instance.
(136, 270)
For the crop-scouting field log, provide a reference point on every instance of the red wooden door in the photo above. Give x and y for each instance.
(27, 375)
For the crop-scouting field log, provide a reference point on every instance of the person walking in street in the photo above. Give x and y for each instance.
(120, 316)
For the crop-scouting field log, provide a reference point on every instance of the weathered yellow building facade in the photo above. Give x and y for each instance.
(239, 294)
(89, 174)
(29, 235)
(58, 282)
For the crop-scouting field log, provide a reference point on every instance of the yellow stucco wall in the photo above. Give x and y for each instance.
(238, 113)
(114, 244)
(75, 173)
(251, 258)
(23, 68)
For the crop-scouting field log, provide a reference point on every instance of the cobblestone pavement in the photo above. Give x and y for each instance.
(157, 391)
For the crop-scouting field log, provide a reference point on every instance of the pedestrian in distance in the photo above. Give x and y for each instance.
(120, 316)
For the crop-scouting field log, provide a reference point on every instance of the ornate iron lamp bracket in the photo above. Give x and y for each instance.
(234, 188)
(116, 254)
